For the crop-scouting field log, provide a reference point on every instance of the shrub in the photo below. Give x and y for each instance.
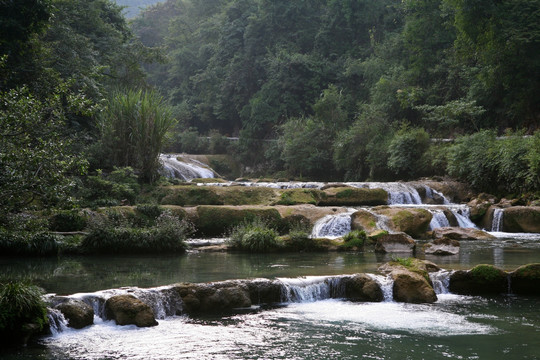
(67, 220)
(355, 238)
(406, 152)
(21, 309)
(121, 185)
(254, 236)
(167, 236)
(148, 214)
(28, 243)
(300, 240)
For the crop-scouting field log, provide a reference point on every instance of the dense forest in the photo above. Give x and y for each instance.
(312, 89)
(353, 89)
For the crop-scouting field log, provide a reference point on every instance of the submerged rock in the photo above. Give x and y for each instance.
(395, 243)
(525, 280)
(481, 279)
(128, 310)
(77, 313)
(457, 233)
(444, 246)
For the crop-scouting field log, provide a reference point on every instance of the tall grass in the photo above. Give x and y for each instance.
(255, 236)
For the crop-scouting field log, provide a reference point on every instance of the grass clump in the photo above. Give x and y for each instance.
(255, 236)
(354, 239)
(22, 311)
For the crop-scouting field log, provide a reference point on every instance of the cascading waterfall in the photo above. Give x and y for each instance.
(311, 288)
(186, 170)
(57, 321)
(439, 219)
(387, 286)
(497, 223)
(333, 226)
(462, 216)
(441, 281)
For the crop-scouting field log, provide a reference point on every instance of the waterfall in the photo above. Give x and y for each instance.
(441, 281)
(497, 223)
(439, 219)
(462, 216)
(398, 193)
(333, 226)
(431, 192)
(187, 170)
(57, 321)
(387, 286)
(311, 288)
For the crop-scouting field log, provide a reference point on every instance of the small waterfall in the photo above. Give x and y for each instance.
(463, 217)
(57, 321)
(441, 281)
(430, 194)
(387, 286)
(439, 219)
(333, 226)
(186, 170)
(497, 223)
(311, 288)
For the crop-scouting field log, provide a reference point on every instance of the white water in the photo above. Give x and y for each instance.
(497, 223)
(333, 226)
(187, 170)
(439, 219)
(310, 288)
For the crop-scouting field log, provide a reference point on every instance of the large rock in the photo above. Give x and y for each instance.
(480, 280)
(411, 280)
(412, 221)
(479, 206)
(214, 297)
(128, 310)
(525, 280)
(444, 246)
(522, 219)
(264, 291)
(454, 191)
(77, 313)
(364, 220)
(349, 196)
(457, 233)
(395, 243)
(361, 287)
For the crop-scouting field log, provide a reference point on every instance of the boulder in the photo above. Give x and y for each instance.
(214, 297)
(480, 205)
(395, 243)
(361, 287)
(454, 191)
(413, 221)
(522, 219)
(525, 280)
(480, 280)
(444, 246)
(263, 291)
(364, 220)
(128, 310)
(457, 233)
(77, 313)
(411, 280)
(411, 287)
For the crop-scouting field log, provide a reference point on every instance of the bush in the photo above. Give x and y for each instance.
(67, 220)
(406, 152)
(354, 239)
(22, 311)
(300, 240)
(121, 185)
(167, 236)
(254, 236)
(28, 243)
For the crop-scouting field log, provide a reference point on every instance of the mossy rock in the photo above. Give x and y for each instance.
(191, 195)
(522, 219)
(414, 222)
(348, 196)
(299, 196)
(207, 181)
(480, 280)
(217, 220)
(363, 220)
(525, 280)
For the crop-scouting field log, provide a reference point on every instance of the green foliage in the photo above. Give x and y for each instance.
(487, 273)
(21, 305)
(115, 236)
(133, 127)
(67, 220)
(27, 243)
(254, 236)
(354, 239)
(119, 186)
(406, 151)
(407, 262)
(35, 158)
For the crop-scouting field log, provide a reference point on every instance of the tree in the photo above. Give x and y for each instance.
(36, 162)
(134, 125)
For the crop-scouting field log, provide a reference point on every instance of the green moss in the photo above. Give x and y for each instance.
(412, 264)
(353, 197)
(529, 271)
(487, 273)
(354, 239)
(299, 196)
